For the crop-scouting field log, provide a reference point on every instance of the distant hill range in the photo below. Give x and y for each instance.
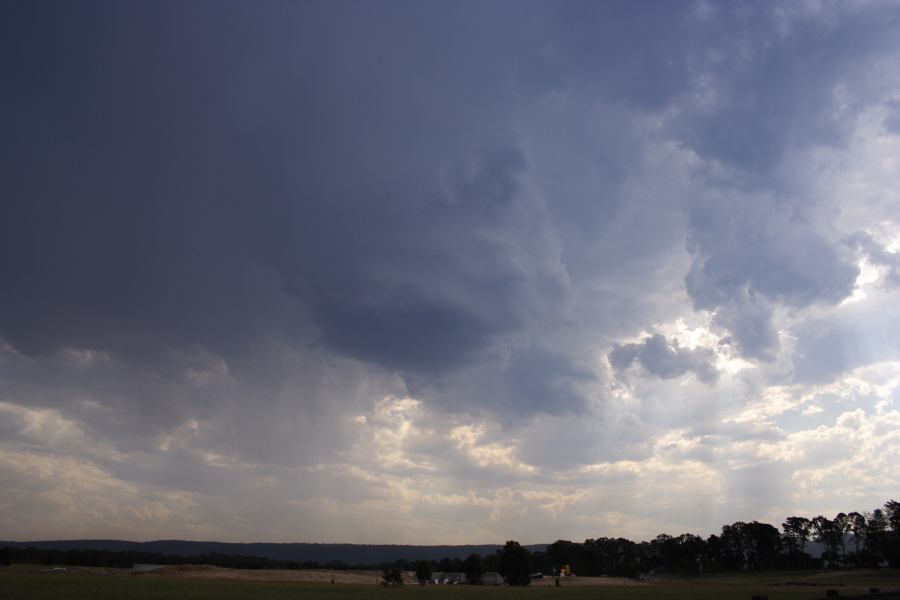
(352, 554)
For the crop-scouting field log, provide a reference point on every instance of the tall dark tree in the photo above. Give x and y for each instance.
(892, 512)
(618, 557)
(892, 535)
(630, 563)
(796, 533)
(541, 562)
(680, 554)
(449, 565)
(473, 568)
(591, 558)
(827, 533)
(5, 556)
(564, 552)
(763, 545)
(858, 529)
(842, 524)
(733, 546)
(392, 577)
(491, 562)
(876, 534)
(423, 571)
(713, 550)
(515, 563)
(690, 551)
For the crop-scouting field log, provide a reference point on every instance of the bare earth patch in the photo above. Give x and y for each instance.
(578, 581)
(210, 572)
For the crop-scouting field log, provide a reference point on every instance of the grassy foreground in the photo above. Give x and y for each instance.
(26, 584)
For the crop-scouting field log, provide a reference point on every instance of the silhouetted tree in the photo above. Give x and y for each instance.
(541, 561)
(5, 556)
(876, 535)
(423, 571)
(680, 554)
(491, 562)
(796, 535)
(449, 565)
(614, 556)
(858, 528)
(842, 524)
(515, 563)
(473, 569)
(713, 550)
(392, 576)
(827, 533)
(733, 546)
(690, 548)
(763, 545)
(892, 536)
(892, 512)
(564, 552)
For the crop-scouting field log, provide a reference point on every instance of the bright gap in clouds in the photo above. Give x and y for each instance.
(457, 274)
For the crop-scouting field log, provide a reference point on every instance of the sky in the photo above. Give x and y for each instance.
(429, 272)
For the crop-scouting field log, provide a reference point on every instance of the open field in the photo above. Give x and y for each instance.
(27, 583)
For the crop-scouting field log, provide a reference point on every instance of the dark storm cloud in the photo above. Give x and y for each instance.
(892, 120)
(197, 178)
(748, 319)
(752, 251)
(773, 83)
(134, 205)
(763, 246)
(750, 67)
(426, 288)
(665, 360)
(344, 176)
(515, 381)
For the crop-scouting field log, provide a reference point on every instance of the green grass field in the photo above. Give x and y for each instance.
(21, 583)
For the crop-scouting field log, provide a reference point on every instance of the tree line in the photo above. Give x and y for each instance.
(852, 539)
